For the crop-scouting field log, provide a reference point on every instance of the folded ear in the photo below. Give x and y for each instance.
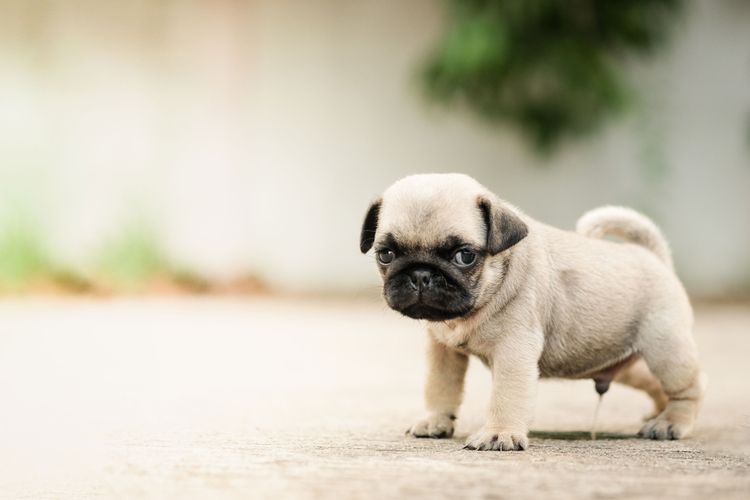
(504, 228)
(367, 236)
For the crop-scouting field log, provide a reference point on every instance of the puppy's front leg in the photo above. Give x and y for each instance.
(446, 369)
(514, 363)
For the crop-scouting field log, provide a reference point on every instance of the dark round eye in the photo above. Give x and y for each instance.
(464, 258)
(385, 257)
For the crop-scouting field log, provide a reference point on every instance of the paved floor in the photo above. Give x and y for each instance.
(270, 398)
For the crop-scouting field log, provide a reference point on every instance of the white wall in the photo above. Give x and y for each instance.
(255, 135)
(339, 118)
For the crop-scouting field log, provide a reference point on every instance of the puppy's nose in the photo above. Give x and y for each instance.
(420, 279)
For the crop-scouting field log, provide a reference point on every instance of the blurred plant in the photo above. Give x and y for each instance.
(132, 257)
(23, 254)
(25, 262)
(134, 260)
(552, 68)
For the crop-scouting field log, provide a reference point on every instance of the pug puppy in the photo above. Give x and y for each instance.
(531, 301)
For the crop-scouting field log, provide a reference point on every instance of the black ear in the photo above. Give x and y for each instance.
(367, 237)
(504, 228)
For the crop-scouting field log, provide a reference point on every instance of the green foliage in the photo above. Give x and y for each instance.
(130, 261)
(25, 261)
(23, 255)
(552, 68)
(132, 257)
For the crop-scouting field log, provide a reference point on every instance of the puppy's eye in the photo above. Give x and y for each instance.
(385, 257)
(464, 258)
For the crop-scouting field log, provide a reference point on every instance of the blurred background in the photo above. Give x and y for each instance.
(227, 145)
(208, 163)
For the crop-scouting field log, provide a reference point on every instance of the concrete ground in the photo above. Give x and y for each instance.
(271, 398)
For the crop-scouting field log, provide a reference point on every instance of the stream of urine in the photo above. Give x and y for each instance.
(596, 417)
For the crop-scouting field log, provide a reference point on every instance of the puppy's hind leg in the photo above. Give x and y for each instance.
(671, 356)
(638, 376)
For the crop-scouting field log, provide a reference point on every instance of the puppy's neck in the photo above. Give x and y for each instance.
(457, 333)
(451, 333)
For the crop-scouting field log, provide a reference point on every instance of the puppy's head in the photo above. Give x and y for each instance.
(436, 238)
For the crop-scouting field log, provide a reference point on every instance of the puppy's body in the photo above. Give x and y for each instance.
(537, 301)
(594, 299)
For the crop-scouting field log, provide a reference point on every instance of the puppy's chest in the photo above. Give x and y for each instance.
(462, 339)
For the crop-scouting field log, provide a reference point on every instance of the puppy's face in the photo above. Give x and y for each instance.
(434, 282)
(434, 236)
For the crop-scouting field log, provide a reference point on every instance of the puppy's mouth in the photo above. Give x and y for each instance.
(424, 311)
(425, 293)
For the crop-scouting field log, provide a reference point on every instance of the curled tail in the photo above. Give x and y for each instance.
(627, 224)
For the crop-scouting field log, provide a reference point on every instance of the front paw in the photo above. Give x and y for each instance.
(499, 439)
(434, 426)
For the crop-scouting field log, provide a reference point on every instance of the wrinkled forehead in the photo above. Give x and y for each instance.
(429, 219)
